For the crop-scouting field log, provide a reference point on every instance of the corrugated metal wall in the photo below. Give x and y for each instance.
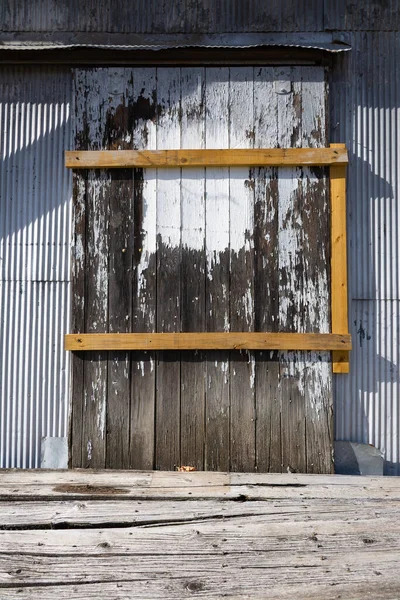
(35, 192)
(365, 113)
(162, 16)
(353, 15)
(205, 16)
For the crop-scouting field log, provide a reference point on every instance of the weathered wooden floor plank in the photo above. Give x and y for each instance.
(208, 569)
(92, 484)
(183, 588)
(93, 534)
(146, 513)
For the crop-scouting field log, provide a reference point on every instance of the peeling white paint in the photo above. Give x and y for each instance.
(225, 370)
(101, 415)
(89, 450)
(252, 363)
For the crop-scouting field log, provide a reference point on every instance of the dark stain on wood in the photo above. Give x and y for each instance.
(92, 490)
(193, 368)
(146, 108)
(266, 318)
(194, 586)
(118, 122)
(217, 409)
(119, 316)
(212, 410)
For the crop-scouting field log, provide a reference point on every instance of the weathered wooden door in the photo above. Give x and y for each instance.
(213, 249)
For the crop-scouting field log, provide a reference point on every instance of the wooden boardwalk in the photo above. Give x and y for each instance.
(123, 535)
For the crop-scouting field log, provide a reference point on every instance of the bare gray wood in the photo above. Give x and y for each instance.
(311, 536)
(125, 485)
(291, 274)
(217, 452)
(54, 513)
(143, 364)
(171, 590)
(119, 115)
(315, 216)
(169, 256)
(241, 216)
(266, 282)
(96, 274)
(193, 282)
(306, 380)
(214, 250)
(78, 264)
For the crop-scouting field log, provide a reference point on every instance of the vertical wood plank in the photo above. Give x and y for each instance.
(266, 284)
(316, 252)
(291, 302)
(144, 270)
(193, 270)
(168, 271)
(241, 204)
(78, 271)
(217, 271)
(339, 297)
(96, 294)
(118, 114)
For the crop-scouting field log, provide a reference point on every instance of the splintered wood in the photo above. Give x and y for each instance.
(187, 266)
(145, 535)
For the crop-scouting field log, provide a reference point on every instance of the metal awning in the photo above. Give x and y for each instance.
(326, 42)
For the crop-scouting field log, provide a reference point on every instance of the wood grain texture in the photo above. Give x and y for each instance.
(217, 272)
(144, 283)
(169, 255)
(119, 115)
(96, 291)
(173, 535)
(57, 513)
(193, 282)
(91, 484)
(206, 157)
(241, 233)
(291, 275)
(316, 252)
(222, 258)
(266, 281)
(208, 341)
(339, 295)
(78, 269)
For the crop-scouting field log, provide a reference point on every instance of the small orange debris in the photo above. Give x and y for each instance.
(185, 469)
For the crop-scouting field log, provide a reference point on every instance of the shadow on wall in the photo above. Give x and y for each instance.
(364, 108)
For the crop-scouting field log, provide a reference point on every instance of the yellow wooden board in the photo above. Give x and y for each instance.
(114, 159)
(340, 359)
(207, 341)
(339, 341)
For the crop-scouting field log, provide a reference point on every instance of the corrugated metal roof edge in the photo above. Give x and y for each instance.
(124, 42)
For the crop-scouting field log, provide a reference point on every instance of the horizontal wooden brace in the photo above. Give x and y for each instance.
(207, 341)
(275, 157)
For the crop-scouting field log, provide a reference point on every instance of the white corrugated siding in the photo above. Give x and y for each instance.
(34, 253)
(366, 115)
(35, 205)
